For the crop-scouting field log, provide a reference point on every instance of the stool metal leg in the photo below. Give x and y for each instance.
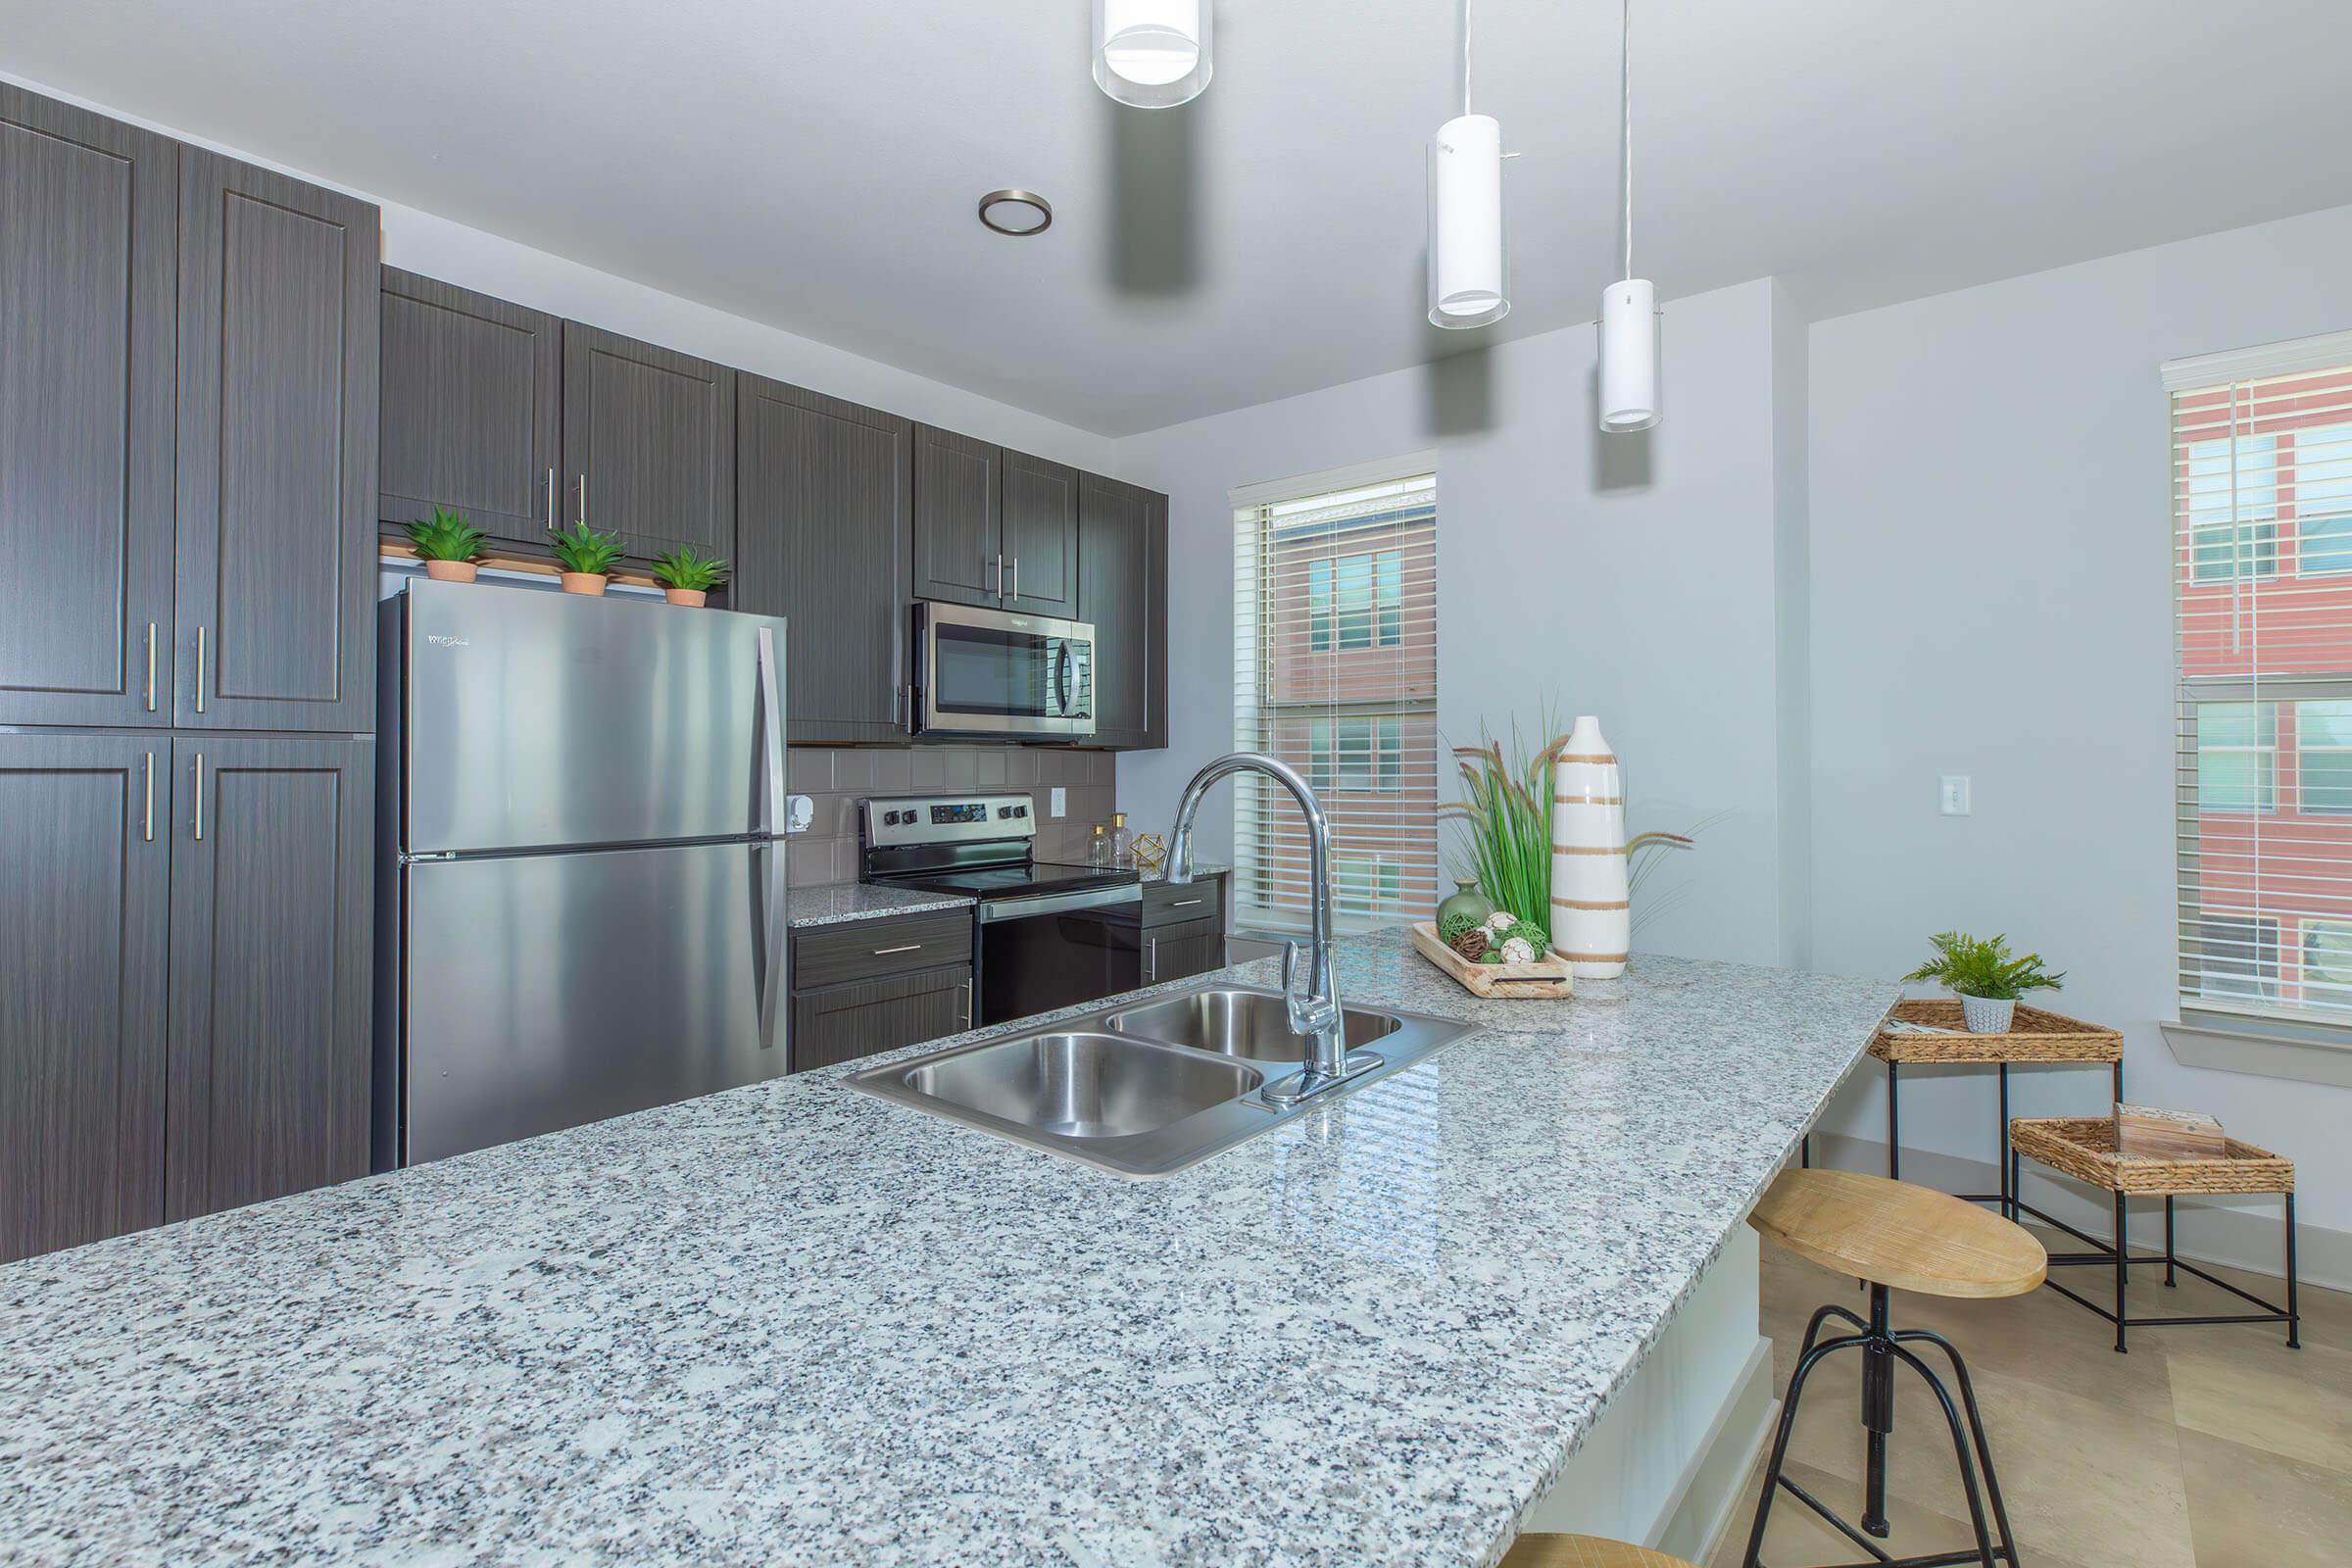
(2123, 1279)
(1968, 1471)
(1975, 1423)
(2169, 1261)
(2000, 1169)
(1877, 1414)
(1812, 1358)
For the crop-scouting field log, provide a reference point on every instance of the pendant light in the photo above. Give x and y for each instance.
(1469, 274)
(1153, 54)
(1629, 306)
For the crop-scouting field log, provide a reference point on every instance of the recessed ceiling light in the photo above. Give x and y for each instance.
(1016, 211)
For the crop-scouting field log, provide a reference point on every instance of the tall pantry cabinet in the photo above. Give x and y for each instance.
(188, 391)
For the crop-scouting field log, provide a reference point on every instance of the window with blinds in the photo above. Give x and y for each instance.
(1336, 672)
(2262, 553)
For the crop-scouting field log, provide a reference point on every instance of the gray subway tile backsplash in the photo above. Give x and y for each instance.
(835, 778)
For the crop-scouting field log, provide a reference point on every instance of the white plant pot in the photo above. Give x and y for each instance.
(1985, 1017)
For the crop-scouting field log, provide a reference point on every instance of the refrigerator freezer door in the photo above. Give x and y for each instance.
(533, 721)
(545, 990)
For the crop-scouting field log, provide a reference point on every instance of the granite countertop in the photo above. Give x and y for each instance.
(792, 1322)
(838, 903)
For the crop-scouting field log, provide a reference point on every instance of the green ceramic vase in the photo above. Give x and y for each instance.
(1469, 901)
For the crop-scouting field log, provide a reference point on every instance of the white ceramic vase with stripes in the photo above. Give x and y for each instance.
(1592, 918)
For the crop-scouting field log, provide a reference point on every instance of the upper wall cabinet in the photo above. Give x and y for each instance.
(1041, 537)
(88, 219)
(649, 443)
(277, 439)
(825, 514)
(958, 518)
(991, 527)
(472, 410)
(1123, 589)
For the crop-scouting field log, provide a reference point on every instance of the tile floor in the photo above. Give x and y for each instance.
(2205, 1448)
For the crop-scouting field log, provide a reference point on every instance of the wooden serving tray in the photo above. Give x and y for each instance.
(1547, 977)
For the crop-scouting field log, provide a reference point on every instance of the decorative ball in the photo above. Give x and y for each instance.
(1470, 944)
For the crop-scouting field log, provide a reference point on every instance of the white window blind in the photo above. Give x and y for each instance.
(1336, 672)
(2262, 551)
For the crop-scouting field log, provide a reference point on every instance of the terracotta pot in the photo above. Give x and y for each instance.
(691, 598)
(451, 570)
(591, 583)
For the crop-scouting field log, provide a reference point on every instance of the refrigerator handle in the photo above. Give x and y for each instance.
(773, 818)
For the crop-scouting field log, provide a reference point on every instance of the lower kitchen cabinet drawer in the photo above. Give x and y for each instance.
(1179, 952)
(841, 1023)
(1168, 903)
(867, 950)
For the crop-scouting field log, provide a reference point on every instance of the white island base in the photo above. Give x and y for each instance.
(1665, 1464)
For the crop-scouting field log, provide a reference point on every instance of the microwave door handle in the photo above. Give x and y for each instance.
(1062, 671)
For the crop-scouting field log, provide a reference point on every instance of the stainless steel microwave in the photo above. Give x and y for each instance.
(991, 673)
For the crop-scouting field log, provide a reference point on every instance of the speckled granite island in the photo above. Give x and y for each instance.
(795, 1324)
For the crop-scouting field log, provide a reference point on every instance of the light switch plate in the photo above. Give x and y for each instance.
(1955, 795)
(1057, 802)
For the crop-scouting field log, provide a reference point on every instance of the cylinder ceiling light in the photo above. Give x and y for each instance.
(1153, 54)
(1629, 308)
(1469, 274)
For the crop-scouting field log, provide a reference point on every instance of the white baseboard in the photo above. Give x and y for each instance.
(2237, 1232)
(1706, 1503)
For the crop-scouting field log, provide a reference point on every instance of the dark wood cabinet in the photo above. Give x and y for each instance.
(649, 443)
(84, 858)
(958, 518)
(824, 528)
(89, 236)
(835, 1024)
(1123, 593)
(1041, 537)
(864, 986)
(1183, 928)
(271, 881)
(472, 394)
(277, 438)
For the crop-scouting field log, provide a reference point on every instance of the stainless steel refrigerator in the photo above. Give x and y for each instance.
(582, 905)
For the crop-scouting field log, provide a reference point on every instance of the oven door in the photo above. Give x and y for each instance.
(990, 673)
(1040, 954)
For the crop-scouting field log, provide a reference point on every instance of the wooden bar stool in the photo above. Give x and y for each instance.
(1896, 1236)
(1582, 1551)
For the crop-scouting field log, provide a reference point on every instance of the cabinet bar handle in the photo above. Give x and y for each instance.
(1151, 962)
(147, 827)
(151, 673)
(1016, 578)
(967, 1003)
(200, 674)
(583, 496)
(911, 947)
(200, 796)
(551, 501)
(997, 585)
(1186, 903)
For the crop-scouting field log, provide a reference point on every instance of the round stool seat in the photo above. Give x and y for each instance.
(1583, 1552)
(1894, 1234)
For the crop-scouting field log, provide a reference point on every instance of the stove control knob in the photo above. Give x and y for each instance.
(1004, 810)
(890, 818)
(1021, 810)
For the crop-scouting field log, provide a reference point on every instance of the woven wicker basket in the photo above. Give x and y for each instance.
(2034, 1036)
(2083, 1148)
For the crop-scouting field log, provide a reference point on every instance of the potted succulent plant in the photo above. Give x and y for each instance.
(447, 546)
(586, 556)
(1986, 977)
(687, 578)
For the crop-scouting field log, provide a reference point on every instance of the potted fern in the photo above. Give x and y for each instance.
(447, 546)
(687, 578)
(587, 558)
(1985, 976)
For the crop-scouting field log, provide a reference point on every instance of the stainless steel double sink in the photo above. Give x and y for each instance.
(1147, 1088)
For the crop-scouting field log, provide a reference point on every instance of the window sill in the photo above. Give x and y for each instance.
(2232, 1043)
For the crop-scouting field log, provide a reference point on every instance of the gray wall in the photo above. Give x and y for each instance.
(1990, 579)
(1630, 576)
(836, 777)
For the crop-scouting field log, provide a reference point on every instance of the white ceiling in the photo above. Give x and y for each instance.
(815, 166)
